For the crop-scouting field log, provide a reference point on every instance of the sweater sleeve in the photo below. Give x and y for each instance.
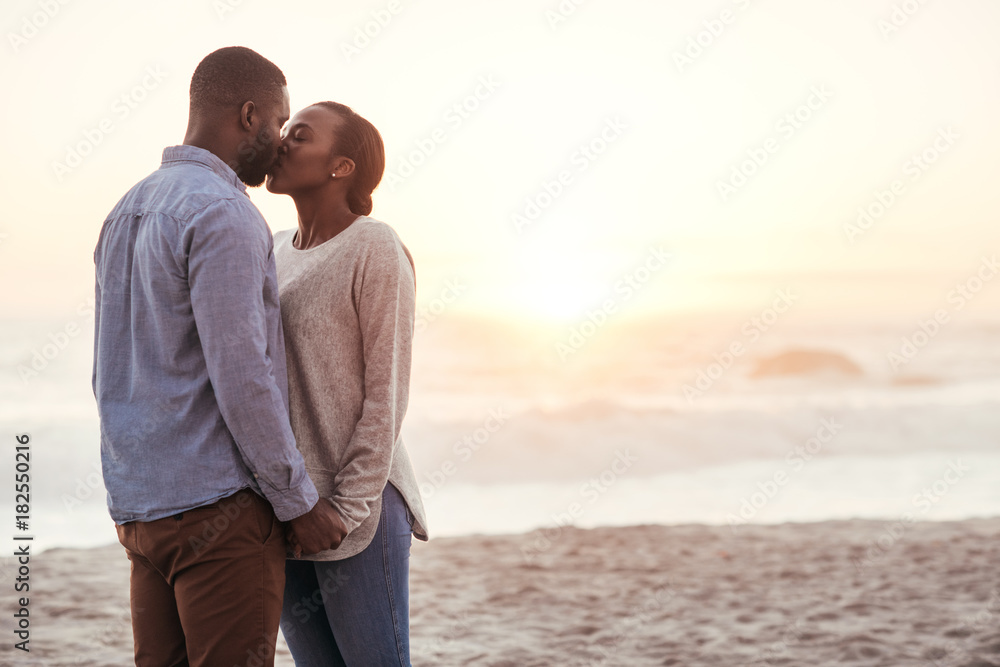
(385, 301)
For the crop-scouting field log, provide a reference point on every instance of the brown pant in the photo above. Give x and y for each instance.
(207, 584)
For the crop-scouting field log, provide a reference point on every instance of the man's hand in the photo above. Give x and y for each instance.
(319, 529)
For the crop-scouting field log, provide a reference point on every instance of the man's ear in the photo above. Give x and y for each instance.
(248, 115)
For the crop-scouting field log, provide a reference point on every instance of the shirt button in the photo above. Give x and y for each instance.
(256, 476)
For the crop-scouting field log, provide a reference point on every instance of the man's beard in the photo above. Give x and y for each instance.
(256, 158)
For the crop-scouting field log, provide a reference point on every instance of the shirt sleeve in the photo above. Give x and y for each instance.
(228, 259)
(385, 307)
(97, 316)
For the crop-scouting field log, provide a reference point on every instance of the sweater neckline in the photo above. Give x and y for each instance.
(327, 243)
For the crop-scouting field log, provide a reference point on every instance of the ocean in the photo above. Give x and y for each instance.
(663, 421)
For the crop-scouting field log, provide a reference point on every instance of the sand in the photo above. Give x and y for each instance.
(832, 593)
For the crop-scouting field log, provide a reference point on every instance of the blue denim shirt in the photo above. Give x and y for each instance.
(189, 354)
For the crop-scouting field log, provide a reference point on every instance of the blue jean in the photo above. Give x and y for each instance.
(354, 612)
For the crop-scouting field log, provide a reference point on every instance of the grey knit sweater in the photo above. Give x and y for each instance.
(347, 307)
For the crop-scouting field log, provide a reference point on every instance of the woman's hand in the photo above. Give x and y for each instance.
(319, 529)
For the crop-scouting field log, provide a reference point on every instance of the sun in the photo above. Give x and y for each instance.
(556, 282)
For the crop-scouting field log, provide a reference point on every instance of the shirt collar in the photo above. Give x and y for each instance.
(185, 153)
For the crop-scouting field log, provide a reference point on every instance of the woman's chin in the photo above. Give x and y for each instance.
(273, 186)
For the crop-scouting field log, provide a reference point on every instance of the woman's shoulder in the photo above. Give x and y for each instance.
(379, 235)
(283, 237)
(381, 239)
(376, 231)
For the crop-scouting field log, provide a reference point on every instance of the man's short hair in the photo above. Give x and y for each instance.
(233, 75)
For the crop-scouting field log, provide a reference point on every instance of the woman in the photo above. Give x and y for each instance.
(346, 287)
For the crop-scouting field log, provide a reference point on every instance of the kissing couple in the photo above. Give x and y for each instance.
(251, 453)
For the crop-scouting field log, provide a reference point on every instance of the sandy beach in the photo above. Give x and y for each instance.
(834, 593)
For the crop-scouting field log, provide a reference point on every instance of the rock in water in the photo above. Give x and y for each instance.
(806, 362)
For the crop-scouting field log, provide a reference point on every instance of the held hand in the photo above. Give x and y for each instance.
(319, 529)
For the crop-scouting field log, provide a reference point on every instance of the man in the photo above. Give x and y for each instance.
(189, 375)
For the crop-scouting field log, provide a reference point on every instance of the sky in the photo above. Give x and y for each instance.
(541, 153)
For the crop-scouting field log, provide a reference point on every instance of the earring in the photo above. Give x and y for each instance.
(333, 175)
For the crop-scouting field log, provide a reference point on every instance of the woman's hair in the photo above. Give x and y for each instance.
(358, 140)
